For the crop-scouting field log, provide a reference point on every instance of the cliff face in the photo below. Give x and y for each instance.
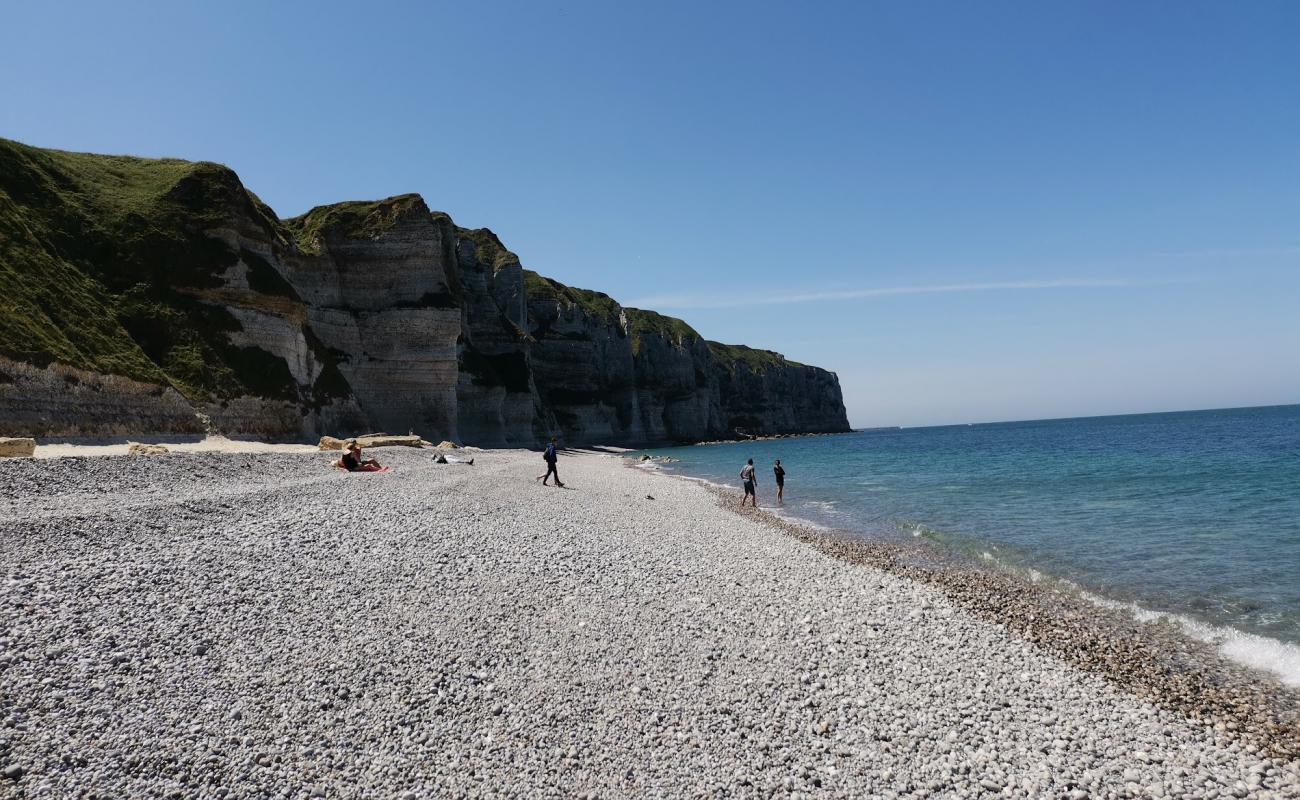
(159, 296)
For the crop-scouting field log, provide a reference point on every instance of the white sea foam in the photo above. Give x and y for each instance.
(1253, 650)
(784, 513)
(708, 482)
(1260, 652)
(824, 506)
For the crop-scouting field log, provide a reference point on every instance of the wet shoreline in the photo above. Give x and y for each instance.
(1157, 662)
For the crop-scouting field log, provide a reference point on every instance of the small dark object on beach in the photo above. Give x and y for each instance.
(649, 497)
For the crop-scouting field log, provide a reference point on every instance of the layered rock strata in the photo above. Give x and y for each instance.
(160, 296)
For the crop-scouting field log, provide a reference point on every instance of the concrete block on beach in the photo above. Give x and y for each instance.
(17, 448)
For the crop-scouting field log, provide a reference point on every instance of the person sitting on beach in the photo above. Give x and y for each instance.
(352, 462)
(551, 456)
(779, 471)
(751, 481)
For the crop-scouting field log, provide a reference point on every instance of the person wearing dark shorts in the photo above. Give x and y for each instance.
(779, 471)
(751, 480)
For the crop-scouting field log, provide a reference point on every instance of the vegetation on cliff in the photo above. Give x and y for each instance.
(488, 248)
(596, 304)
(354, 219)
(733, 355)
(651, 323)
(100, 261)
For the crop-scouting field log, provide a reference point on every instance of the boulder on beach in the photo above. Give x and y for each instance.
(446, 445)
(17, 448)
(138, 449)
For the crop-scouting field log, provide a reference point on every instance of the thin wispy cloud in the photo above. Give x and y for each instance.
(721, 301)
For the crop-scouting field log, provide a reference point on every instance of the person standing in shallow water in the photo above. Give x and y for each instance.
(751, 482)
(779, 471)
(551, 457)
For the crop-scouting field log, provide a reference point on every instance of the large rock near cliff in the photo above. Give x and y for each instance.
(160, 296)
(17, 448)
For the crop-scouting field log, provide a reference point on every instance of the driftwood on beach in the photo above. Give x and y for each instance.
(375, 440)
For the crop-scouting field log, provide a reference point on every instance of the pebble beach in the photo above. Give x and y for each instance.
(249, 625)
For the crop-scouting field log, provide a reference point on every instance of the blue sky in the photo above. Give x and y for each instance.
(970, 211)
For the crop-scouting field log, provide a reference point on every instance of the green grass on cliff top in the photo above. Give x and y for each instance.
(488, 248)
(732, 355)
(596, 304)
(641, 322)
(100, 257)
(355, 219)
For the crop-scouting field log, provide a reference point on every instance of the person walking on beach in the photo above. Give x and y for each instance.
(551, 456)
(751, 480)
(779, 471)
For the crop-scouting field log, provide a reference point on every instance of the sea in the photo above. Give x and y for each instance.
(1192, 517)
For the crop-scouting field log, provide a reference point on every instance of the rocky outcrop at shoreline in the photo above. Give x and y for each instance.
(160, 296)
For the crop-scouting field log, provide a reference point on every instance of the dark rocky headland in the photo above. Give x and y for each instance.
(158, 296)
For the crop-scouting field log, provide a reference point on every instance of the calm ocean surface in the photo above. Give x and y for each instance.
(1191, 514)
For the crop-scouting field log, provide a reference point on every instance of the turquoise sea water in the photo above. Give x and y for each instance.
(1191, 514)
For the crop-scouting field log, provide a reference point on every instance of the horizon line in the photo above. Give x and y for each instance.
(712, 301)
(1080, 416)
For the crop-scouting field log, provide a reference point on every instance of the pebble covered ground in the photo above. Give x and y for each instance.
(233, 625)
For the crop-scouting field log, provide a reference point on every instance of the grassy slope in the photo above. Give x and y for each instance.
(353, 219)
(733, 355)
(488, 248)
(651, 323)
(97, 254)
(596, 304)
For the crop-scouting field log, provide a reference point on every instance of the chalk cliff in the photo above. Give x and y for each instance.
(160, 296)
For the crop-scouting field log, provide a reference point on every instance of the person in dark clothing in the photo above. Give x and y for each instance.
(751, 482)
(551, 456)
(352, 461)
(779, 471)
